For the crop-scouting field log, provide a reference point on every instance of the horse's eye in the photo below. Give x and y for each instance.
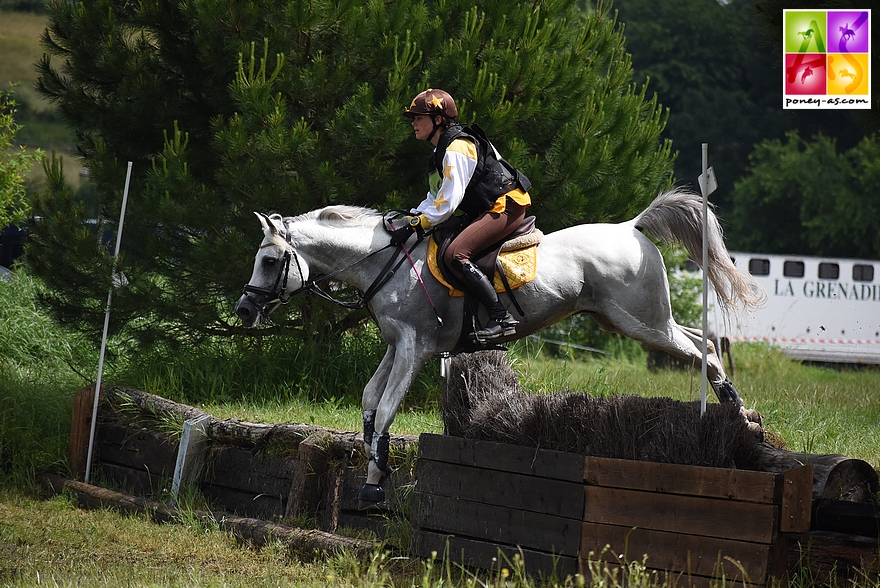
(270, 261)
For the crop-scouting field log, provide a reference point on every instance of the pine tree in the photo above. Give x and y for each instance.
(231, 107)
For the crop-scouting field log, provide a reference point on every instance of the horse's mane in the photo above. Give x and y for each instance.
(338, 214)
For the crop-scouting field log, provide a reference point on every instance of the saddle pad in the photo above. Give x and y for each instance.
(520, 267)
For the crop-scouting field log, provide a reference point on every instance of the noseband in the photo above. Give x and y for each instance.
(278, 294)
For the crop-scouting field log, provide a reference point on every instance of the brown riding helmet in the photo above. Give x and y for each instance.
(432, 102)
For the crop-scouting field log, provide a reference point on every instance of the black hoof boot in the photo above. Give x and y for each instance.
(369, 428)
(371, 495)
(727, 393)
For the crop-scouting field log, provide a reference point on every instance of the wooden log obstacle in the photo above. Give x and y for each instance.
(572, 481)
(273, 472)
(564, 511)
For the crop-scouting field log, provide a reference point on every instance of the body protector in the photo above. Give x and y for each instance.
(493, 176)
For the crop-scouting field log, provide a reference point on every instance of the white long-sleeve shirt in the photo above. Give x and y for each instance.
(446, 191)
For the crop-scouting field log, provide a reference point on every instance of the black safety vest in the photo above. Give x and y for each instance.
(492, 177)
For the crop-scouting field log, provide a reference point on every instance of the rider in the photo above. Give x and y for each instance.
(467, 174)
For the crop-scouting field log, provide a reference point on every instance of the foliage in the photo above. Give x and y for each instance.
(716, 65)
(229, 107)
(41, 368)
(15, 163)
(771, 12)
(806, 197)
(24, 5)
(705, 59)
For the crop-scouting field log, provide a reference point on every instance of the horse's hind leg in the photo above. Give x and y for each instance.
(681, 342)
(721, 384)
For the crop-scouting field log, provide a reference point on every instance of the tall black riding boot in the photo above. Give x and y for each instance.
(500, 322)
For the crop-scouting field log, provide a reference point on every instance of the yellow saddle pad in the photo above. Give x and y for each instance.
(519, 266)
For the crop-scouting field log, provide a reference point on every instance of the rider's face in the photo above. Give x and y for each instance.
(422, 126)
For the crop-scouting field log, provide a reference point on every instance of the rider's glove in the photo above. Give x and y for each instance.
(399, 236)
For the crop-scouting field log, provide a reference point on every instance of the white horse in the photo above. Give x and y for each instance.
(611, 271)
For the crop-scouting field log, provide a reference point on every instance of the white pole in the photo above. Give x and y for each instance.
(106, 328)
(704, 189)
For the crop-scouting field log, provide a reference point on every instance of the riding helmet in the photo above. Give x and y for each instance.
(432, 102)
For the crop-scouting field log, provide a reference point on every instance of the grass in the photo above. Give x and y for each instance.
(41, 128)
(20, 47)
(52, 542)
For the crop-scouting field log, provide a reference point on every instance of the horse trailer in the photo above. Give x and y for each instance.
(817, 309)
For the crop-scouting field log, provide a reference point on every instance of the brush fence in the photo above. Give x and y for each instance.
(482, 503)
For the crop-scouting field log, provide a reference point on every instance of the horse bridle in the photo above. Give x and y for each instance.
(278, 294)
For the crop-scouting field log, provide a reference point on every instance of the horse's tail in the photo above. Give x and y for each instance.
(676, 216)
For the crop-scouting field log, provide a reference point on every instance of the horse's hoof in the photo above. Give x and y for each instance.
(753, 416)
(757, 430)
(371, 494)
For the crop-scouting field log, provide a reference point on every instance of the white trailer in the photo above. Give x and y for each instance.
(818, 308)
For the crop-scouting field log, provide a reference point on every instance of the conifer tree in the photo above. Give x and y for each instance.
(283, 106)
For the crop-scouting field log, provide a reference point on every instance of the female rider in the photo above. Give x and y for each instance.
(467, 174)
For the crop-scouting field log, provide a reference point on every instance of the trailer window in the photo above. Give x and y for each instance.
(793, 269)
(829, 271)
(863, 273)
(759, 267)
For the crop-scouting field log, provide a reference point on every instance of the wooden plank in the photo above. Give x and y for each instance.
(853, 518)
(709, 517)
(138, 482)
(835, 559)
(541, 532)
(545, 463)
(240, 469)
(606, 573)
(492, 556)
(243, 503)
(797, 500)
(81, 430)
(519, 491)
(136, 448)
(730, 484)
(676, 552)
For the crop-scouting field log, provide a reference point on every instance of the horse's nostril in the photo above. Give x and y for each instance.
(243, 312)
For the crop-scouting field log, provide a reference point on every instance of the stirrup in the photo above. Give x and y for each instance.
(495, 328)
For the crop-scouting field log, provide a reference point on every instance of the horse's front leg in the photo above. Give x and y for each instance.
(405, 366)
(373, 394)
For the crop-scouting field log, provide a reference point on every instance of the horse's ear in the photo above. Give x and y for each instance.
(268, 225)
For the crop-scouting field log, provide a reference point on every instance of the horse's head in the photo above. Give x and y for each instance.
(278, 273)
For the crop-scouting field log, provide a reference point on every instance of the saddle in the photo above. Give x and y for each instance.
(512, 261)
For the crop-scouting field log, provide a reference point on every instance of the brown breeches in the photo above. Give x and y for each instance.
(485, 230)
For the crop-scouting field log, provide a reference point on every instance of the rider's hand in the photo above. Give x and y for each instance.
(399, 236)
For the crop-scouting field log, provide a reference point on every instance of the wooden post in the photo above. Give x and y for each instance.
(80, 427)
(305, 491)
(797, 500)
